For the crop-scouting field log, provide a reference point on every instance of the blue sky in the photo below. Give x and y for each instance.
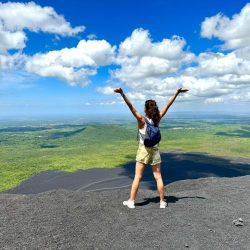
(106, 41)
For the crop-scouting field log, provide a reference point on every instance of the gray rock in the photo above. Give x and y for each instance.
(238, 222)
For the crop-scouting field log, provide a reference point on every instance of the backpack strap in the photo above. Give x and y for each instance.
(147, 121)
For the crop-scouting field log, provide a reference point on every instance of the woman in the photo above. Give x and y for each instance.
(146, 155)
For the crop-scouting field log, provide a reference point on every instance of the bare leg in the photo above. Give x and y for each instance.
(139, 168)
(157, 174)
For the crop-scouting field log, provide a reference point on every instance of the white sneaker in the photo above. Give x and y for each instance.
(129, 203)
(163, 204)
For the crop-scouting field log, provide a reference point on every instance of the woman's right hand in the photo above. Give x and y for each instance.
(119, 91)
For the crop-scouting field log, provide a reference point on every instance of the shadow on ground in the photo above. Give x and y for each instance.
(175, 166)
(182, 166)
(168, 199)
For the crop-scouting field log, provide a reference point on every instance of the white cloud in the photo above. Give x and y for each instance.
(219, 64)
(104, 103)
(147, 70)
(146, 67)
(16, 61)
(231, 70)
(105, 90)
(71, 75)
(136, 96)
(140, 44)
(235, 81)
(243, 53)
(141, 58)
(199, 88)
(156, 69)
(214, 100)
(11, 40)
(235, 32)
(107, 103)
(73, 65)
(208, 89)
(17, 17)
(99, 50)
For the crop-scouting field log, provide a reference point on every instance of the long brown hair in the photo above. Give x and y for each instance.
(152, 111)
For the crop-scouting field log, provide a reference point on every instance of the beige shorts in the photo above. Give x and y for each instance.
(148, 155)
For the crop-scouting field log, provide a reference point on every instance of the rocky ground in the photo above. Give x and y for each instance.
(200, 215)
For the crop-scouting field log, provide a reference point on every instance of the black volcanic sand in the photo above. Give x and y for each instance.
(199, 216)
(175, 166)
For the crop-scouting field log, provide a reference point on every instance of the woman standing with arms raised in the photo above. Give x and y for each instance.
(148, 155)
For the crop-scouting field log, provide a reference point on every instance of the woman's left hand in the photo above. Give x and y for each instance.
(181, 90)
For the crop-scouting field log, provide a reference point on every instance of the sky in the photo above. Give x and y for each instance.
(66, 57)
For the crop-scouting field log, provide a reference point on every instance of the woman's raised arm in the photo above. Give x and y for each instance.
(136, 114)
(170, 102)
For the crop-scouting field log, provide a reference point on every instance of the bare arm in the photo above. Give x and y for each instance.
(170, 102)
(136, 114)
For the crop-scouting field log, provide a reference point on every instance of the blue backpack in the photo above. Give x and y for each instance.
(154, 134)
